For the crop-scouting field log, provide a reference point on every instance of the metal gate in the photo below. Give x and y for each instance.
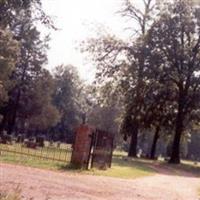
(101, 149)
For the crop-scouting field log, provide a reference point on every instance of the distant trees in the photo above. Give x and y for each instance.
(104, 117)
(39, 113)
(67, 98)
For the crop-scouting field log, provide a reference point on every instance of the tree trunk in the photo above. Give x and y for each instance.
(133, 145)
(3, 123)
(14, 114)
(16, 105)
(155, 139)
(175, 156)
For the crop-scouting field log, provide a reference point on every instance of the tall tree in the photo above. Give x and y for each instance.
(122, 63)
(20, 17)
(175, 47)
(9, 51)
(33, 56)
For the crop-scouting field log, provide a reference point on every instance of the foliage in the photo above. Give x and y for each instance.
(10, 10)
(41, 106)
(174, 60)
(104, 118)
(67, 99)
(155, 73)
(121, 68)
(24, 101)
(8, 57)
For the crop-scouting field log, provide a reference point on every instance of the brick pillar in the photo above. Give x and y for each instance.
(81, 148)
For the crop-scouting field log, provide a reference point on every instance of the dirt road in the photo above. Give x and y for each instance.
(40, 184)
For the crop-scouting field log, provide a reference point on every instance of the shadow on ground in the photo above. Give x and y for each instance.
(142, 167)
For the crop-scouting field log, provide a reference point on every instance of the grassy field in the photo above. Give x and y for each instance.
(128, 169)
(122, 167)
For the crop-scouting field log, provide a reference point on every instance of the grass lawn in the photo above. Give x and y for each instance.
(30, 161)
(122, 167)
(125, 168)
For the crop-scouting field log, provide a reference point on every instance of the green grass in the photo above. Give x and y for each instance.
(122, 167)
(31, 161)
(125, 168)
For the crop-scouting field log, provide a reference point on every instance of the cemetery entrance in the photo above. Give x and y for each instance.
(92, 148)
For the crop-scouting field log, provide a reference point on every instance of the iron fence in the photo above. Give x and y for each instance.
(60, 152)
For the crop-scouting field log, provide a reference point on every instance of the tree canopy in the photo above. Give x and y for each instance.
(155, 73)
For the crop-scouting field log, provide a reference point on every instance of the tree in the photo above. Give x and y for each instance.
(66, 99)
(104, 118)
(10, 10)
(9, 50)
(40, 112)
(174, 42)
(29, 65)
(122, 64)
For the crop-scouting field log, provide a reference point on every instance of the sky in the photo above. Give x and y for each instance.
(77, 20)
